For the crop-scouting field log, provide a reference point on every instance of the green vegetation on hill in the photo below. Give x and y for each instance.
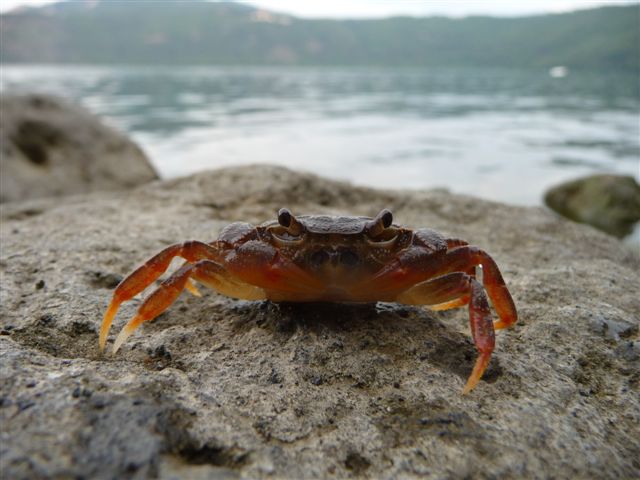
(172, 32)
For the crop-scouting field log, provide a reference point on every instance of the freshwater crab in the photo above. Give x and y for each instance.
(332, 259)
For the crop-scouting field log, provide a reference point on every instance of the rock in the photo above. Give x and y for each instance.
(219, 388)
(610, 203)
(52, 148)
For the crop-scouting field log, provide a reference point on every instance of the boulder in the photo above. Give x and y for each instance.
(610, 203)
(220, 388)
(52, 148)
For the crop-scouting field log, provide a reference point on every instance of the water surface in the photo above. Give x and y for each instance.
(500, 134)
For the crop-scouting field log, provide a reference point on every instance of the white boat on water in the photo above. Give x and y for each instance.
(559, 71)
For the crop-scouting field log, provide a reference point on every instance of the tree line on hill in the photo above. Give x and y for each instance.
(205, 33)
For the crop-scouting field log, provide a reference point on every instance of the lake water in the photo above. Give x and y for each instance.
(500, 134)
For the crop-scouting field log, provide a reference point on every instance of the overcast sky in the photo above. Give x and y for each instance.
(383, 8)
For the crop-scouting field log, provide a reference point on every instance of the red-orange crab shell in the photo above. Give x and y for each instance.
(333, 259)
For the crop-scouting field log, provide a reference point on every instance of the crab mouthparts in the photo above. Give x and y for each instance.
(336, 294)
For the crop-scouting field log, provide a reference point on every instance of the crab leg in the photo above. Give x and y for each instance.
(205, 271)
(482, 330)
(441, 293)
(415, 266)
(146, 274)
(456, 242)
(454, 290)
(462, 258)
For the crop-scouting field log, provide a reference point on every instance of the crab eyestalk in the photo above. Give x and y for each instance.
(380, 223)
(288, 221)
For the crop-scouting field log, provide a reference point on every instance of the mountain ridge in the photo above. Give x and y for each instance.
(203, 33)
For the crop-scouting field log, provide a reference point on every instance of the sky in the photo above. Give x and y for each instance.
(383, 8)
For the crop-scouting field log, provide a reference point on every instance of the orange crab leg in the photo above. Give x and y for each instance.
(416, 266)
(447, 291)
(156, 303)
(146, 274)
(456, 242)
(462, 257)
(441, 293)
(454, 290)
(192, 288)
(482, 330)
(205, 271)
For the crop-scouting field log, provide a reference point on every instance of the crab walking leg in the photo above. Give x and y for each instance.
(192, 288)
(462, 258)
(456, 242)
(454, 290)
(442, 293)
(414, 267)
(482, 330)
(205, 271)
(146, 274)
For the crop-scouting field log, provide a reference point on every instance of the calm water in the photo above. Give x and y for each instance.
(500, 134)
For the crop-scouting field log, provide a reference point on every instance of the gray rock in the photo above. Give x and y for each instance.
(218, 388)
(610, 203)
(52, 148)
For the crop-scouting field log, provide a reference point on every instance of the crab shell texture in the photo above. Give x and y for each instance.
(333, 259)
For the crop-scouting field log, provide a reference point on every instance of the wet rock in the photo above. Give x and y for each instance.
(52, 148)
(610, 203)
(218, 388)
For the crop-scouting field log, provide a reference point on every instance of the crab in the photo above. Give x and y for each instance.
(319, 258)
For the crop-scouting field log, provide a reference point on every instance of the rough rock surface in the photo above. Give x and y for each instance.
(53, 148)
(218, 388)
(610, 203)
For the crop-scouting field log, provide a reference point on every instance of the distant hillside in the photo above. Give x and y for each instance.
(172, 32)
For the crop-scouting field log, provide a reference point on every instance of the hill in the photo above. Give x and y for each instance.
(171, 32)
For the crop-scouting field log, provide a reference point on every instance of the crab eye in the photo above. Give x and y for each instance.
(289, 231)
(284, 217)
(292, 225)
(386, 217)
(379, 229)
